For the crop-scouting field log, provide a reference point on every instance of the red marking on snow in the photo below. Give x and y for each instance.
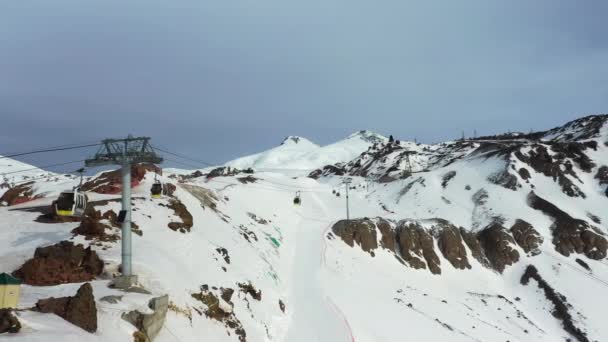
(341, 314)
(21, 200)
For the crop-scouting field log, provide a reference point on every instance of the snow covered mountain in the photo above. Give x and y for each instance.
(498, 238)
(299, 154)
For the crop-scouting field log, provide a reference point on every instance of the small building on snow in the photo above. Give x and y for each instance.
(9, 291)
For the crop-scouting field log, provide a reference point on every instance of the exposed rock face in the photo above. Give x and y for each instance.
(561, 308)
(79, 310)
(451, 245)
(249, 289)
(551, 166)
(19, 194)
(360, 231)
(447, 178)
(111, 182)
(496, 243)
(474, 246)
(220, 310)
(180, 210)
(169, 189)
(226, 171)
(524, 173)
(60, 263)
(8, 322)
(90, 227)
(387, 240)
(602, 175)
(149, 325)
(526, 236)
(571, 235)
(505, 179)
(416, 246)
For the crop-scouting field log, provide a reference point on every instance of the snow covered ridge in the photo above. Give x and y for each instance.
(300, 154)
(479, 240)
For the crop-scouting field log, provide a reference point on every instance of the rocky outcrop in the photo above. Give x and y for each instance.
(79, 310)
(61, 263)
(526, 236)
(359, 231)
(451, 245)
(524, 173)
(169, 189)
(149, 324)
(558, 166)
(445, 179)
(220, 308)
(474, 246)
(182, 212)
(388, 238)
(602, 175)
(8, 322)
(90, 226)
(505, 179)
(18, 194)
(417, 247)
(561, 308)
(111, 182)
(571, 235)
(496, 244)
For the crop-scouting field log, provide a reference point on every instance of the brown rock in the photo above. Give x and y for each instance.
(19, 194)
(495, 242)
(387, 240)
(451, 245)
(111, 182)
(180, 210)
(474, 246)
(416, 246)
(602, 175)
(571, 235)
(79, 310)
(526, 236)
(524, 173)
(61, 263)
(359, 231)
(8, 322)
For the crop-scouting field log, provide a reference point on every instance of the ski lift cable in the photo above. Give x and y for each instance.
(183, 157)
(42, 167)
(6, 154)
(48, 150)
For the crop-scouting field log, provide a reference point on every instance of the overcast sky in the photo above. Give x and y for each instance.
(222, 79)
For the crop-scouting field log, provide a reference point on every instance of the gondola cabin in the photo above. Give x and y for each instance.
(157, 190)
(9, 291)
(70, 203)
(297, 200)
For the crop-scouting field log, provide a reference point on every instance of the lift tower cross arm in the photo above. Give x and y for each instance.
(125, 152)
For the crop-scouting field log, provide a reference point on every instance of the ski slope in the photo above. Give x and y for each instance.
(331, 291)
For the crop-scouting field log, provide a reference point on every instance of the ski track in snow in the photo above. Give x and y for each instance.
(316, 316)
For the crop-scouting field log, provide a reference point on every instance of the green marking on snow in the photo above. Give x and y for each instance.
(278, 230)
(276, 243)
(274, 277)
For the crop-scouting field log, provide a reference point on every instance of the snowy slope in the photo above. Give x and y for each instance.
(330, 290)
(299, 154)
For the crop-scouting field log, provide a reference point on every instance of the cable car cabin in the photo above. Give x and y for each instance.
(71, 203)
(156, 190)
(297, 200)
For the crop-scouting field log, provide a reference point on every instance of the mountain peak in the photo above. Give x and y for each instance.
(296, 140)
(368, 136)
